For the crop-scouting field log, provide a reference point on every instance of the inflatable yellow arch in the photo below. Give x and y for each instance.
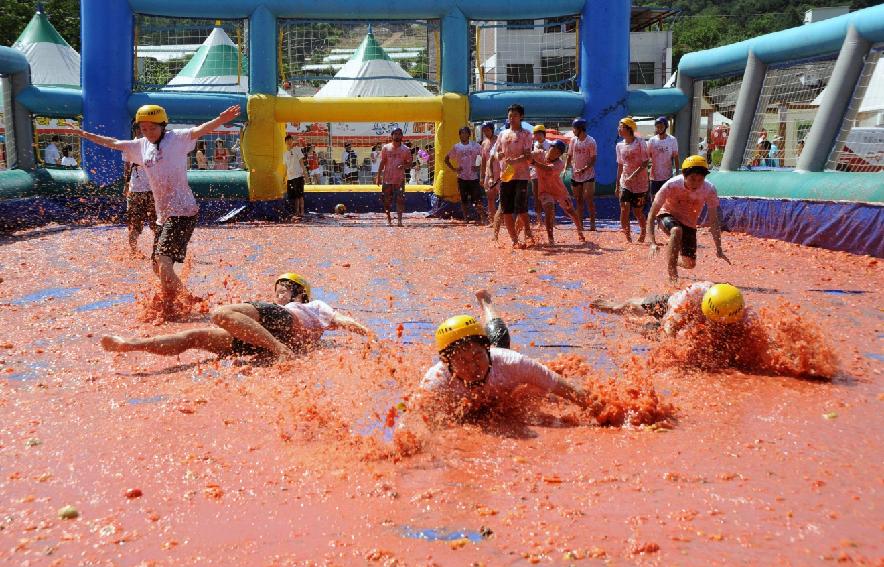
(263, 138)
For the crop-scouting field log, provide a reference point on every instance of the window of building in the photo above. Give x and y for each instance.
(519, 73)
(641, 73)
(567, 24)
(519, 24)
(557, 69)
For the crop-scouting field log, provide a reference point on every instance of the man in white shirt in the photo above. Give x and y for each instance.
(467, 158)
(67, 160)
(542, 144)
(290, 324)
(294, 168)
(664, 155)
(51, 155)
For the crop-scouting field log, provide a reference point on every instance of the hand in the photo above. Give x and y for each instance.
(229, 113)
(617, 191)
(483, 296)
(720, 254)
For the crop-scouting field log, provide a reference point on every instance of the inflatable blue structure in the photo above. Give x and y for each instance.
(798, 205)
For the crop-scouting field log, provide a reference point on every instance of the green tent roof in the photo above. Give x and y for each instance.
(369, 49)
(40, 30)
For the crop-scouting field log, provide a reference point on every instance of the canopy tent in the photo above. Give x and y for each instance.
(371, 72)
(52, 60)
(216, 66)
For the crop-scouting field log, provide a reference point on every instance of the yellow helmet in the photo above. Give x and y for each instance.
(630, 123)
(297, 279)
(723, 303)
(459, 327)
(151, 113)
(540, 128)
(695, 161)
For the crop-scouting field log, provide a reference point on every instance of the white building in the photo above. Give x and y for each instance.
(521, 53)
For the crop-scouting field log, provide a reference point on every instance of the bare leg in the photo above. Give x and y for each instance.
(631, 306)
(589, 195)
(217, 341)
(550, 218)
(510, 222)
(498, 218)
(624, 221)
(400, 204)
(640, 217)
(672, 250)
(579, 192)
(387, 199)
(482, 216)
(242, 322)
(687, 262)
(299, 208)
(526, 225)
(169, 281)
(492, 202)
(464, 211)
(578, 220)
(538, 206)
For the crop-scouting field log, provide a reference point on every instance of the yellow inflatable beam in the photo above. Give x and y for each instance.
(263, 138)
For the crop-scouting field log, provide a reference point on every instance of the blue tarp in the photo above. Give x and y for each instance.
(851, 227)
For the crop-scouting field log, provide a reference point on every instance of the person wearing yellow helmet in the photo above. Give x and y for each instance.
(291, 323)
(719, 303)
(631, 184)
(475, 369)
(164, 156)
(677, 207)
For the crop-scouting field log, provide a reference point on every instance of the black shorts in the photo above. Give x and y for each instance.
(278, 322)
(140, 209)
(688, 234)
(393, 190)
(656, 305)
(514, 197)
(172, 238)
(295, 188)
(635, 200)
(655, 186)
(470, 191)
(498, 333)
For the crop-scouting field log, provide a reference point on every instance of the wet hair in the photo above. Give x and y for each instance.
(516, 108)
(695, 169)
(466, 129)
(631, 131)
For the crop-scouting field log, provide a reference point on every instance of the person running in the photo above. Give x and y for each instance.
(663, 151)
(350, 163)
(582, 157)
(677, 209)
(514, 154)
(474, 373)
(396, 159)
(542, 144)
(717, 302)
(549, 166)
(163, 154)
(294, 168)
(632, 177)
(466, 155)
(140, 207)
(290, 324)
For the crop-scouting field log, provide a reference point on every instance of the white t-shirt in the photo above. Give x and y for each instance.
(682, 203)
(582, 152)
(661, 156)
(51, 155)
(375, 160)
(138, 182)
(166, 168)
(465, 156)
(509, 370)
(632, 157)
(545, 145)
(684, 305)
(292, 159)
(346, 160)
(314, 317)
(68, 161)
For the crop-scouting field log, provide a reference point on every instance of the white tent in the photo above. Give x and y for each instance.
(371, 72)
(52, 60)
(217, 66)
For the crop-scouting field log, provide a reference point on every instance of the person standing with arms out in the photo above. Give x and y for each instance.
(140, 207)
(396, 159)
(632, 176)
(663, 150)
(677, 209)
(582, 155)
(542, 144)
(220, 156)
(514, 154)
(294, 171)
(163, 154)
(351, 164)
(51, 155)
(466, 154)
(202, 162)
